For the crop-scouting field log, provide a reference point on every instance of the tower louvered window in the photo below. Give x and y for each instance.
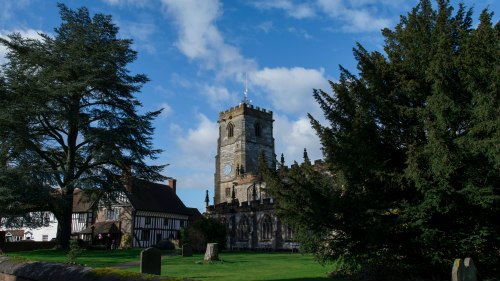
(258, 130)
(230, 130)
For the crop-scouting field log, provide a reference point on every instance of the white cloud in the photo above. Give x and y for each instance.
(290, 89)
(200, 39)
(28, 33)
(298, 11)
(354, 15)
(266, 26)
(167, 110)
(197, 147)
(357, 16)
(135, 3)
(141, 32)
(300, 32)
(292, 136)
(8, 8)
(181, 81)
(195, 181)
(218, 96)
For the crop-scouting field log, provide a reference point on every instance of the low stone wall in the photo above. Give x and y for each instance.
(25, 246)
(21, 270)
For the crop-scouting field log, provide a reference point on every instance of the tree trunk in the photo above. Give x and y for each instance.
(64, 223)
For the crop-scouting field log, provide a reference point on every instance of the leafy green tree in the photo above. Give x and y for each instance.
(413, 146)
(202, 231)
(69, 117)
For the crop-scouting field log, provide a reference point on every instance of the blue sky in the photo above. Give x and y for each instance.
(196, 54)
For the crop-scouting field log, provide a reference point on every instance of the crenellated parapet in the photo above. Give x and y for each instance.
(235, 207)
(244, 108)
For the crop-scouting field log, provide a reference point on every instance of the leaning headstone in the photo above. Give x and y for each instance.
(212, 252)
(470, 272)
(151, 261)
(457, 272)
(187, 250)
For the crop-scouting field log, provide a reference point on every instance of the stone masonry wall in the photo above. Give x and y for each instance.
(241, 152)
(19, 270)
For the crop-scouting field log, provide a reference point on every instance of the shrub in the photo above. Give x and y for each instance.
(126, 242)
(75, 250)
(204, 231)
(165, 245)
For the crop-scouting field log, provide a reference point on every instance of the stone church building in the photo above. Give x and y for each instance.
(240, 202)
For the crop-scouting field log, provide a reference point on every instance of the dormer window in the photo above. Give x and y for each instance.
(258, 130)
(230, 130)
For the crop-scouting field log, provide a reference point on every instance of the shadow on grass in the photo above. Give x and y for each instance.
(308, 279)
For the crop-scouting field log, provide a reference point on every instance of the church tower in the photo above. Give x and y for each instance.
(244, 132)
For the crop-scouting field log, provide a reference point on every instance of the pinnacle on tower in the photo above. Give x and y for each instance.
(207, 201)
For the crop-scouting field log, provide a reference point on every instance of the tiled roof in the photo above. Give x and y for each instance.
(15, 232)
(81, 202)
(156, 197)
(102, 227)
(194, 213)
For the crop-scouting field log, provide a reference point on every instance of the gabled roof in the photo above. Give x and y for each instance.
(14, 232)
(102, 227)
(194, 214)
(81, 202)
(156, 197)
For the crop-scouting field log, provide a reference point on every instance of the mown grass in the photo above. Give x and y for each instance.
(92, 258)
(234, 265)
(246, 266)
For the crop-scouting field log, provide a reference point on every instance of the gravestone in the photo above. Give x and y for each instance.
(187, 250)
(470, 273)
(464, 270)
(457, 272)
(212, 252)
(151, 261)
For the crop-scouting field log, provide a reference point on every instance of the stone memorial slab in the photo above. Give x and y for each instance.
(464, 270)
(457, 272)
(151, 261)
(470, 272)
(187, 250)
(212, 252)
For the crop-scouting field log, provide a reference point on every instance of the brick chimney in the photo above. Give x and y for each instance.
(172, 183)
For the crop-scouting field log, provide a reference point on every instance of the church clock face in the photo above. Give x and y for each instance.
(227, 169)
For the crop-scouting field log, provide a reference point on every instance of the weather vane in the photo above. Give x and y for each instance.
(246, 100)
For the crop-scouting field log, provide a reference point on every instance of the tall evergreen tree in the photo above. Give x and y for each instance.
(69, 117)
(413, 146)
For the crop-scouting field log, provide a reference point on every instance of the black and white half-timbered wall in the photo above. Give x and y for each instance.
(83, 215)
(150, 213)
(152, 227)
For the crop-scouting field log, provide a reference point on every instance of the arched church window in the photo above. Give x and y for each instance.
(251, 194)
(230, 130)
(266, 228)
(286, 232)
(225, 223)
(243, 229)
(258, 129)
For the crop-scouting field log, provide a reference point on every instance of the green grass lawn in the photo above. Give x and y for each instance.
(93, 258)
(246, 266)
(234, 265)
